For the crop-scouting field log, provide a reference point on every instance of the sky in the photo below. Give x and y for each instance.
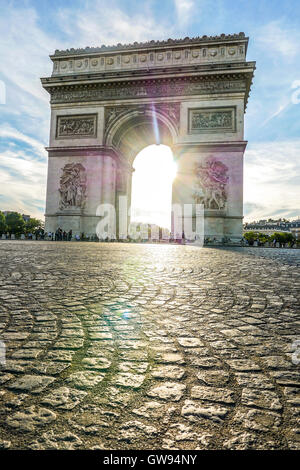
(30, 30)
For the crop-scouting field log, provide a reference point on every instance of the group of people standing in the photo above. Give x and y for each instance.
(60, 235)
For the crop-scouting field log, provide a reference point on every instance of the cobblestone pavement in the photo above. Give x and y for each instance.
(118, 346)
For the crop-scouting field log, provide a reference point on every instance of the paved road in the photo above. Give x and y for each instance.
(118, 346)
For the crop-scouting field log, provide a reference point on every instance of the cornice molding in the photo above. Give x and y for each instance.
(229, 82)
(234, 146)
(151, 44)
(156, 73)
(90, 151)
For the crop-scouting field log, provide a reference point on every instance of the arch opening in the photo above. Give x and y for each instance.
(151, 195)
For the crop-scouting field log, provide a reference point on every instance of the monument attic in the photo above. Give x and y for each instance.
(108, 103)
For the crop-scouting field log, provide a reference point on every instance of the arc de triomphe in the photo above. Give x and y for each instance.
(108, 103)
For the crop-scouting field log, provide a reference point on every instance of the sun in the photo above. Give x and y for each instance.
(152, 180)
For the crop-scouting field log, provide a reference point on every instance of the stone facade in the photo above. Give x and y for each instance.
(102, 105)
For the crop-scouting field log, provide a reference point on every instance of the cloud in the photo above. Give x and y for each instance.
(101, 23)
(279, 40)
(7, 132)
(271, 180)
(26, 43)
(23, 183)
(24, 50)
(184, 9)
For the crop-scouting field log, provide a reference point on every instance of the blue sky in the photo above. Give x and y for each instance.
(31, 30)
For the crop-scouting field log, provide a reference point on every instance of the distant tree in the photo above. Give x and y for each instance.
(32, 225)
(251, 236)
(283, 237)
(3, 226)
(263, 237)
(15, 223)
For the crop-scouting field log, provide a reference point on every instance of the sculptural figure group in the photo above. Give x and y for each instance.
(72, 186)
(210, 189)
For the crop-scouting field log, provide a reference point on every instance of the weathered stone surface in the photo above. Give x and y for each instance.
(91, 420)
(215, 395)
(243, 365)
(182, 432)
(61, 356)
(30, 418)
(190, 342)
(96, 363)
(205, 362)
(74, 343)
(257, 381)
(257, 420)
(129, 380)
(195, 411)
(132, 429)
(202, 294)
(26, 354)
(5, 378)
(261, 399)
(248, 441)
(218, 377)
(51, 367)
(135, 367)
(286, 377)
(151, 409)
(167, 391)
(170, 358)
(31, 383)
(275, 362)
(53, 441)
(85, 380)
(4, 445)
(292, 395)
(64, 398)
(14, 400)
(168, 372)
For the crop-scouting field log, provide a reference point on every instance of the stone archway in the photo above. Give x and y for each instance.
(131, 130)
(108, 103)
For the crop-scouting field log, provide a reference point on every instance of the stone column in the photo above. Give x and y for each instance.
(109, 183)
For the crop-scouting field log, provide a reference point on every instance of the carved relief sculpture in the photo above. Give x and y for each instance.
(205, 120)
(211, 186)
(170, 110)
(79, 126)
(72, 186)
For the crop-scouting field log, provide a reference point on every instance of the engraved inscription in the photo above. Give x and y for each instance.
(212, 120)
(76, 126)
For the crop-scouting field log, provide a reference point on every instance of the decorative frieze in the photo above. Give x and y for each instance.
(76, 126)
(146, 89)
(152, 54)
(205, 120)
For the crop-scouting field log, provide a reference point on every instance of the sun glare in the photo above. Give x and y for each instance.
(152, 179)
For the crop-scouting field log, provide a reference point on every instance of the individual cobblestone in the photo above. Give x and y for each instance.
(126, 346)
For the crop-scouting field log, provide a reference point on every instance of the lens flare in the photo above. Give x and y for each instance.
(152, 180)
(155, 126)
